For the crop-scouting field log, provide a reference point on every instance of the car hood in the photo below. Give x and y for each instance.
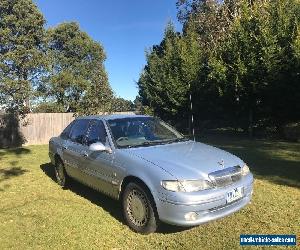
(187, 160)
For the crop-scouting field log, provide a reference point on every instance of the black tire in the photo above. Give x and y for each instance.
(139, 209)
(60, 173)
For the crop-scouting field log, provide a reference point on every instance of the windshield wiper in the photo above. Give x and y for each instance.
(149, 143)
(155, 142)
(146, 143)
(177, 140)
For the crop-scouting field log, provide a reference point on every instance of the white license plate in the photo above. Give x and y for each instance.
(235, 194)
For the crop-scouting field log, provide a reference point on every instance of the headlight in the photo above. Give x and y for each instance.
(245, 170)
(186, 186)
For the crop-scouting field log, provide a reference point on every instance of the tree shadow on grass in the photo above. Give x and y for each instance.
(13, 171)
(14, 151)
(113, 207)
(8, 173)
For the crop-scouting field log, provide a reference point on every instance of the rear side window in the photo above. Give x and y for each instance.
(78, 130)
(65, 134)
(97, 133)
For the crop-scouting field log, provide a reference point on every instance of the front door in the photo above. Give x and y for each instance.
(99, 166)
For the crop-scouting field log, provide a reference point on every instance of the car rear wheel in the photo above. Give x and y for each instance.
(139, 209)
(60, 173)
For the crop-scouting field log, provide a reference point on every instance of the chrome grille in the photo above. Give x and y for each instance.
(225, 177)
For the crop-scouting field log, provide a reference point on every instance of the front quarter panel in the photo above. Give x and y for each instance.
(149, 173)
(55, 148)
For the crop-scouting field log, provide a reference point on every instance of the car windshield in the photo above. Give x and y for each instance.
(142, 131)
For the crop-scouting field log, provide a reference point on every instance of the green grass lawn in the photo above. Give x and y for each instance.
(36, 213)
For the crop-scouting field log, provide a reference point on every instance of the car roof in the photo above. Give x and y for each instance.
(111, 117)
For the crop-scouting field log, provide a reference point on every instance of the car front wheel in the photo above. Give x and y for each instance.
(139, 209)
(60, 173)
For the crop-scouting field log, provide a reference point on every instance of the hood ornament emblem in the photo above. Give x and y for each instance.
(222, 163)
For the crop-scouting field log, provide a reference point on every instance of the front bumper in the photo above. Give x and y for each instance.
(209, 207)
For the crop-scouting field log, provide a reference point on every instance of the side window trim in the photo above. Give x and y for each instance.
(111, 141)
(87, 132)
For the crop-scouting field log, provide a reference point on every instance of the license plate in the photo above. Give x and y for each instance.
(235, 194)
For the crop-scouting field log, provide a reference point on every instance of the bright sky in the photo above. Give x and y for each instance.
(125, 29)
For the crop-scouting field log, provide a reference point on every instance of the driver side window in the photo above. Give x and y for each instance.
(78, 130)
(96, 133)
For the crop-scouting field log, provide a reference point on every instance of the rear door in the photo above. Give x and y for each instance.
(74, 149)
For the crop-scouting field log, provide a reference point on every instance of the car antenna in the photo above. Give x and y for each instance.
(192, 115)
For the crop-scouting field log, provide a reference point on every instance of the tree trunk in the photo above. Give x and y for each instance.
(27, 104)
(27, 98)
(250, 128)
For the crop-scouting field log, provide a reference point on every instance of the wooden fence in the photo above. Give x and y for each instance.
(37, 128)
(40, 127)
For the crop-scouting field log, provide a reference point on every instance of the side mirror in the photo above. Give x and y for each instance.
(98, 146)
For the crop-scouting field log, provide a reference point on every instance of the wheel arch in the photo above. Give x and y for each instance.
(131, 178)
(57, 158)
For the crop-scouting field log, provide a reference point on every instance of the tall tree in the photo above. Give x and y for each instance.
(21, 53)
(260, 66)
(250, 58)
(121, 105)
(284, 77)
(210, 19)
(77, 80)
(171, 72)
(247, 53)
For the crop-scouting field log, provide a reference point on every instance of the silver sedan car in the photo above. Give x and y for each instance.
(157, 173)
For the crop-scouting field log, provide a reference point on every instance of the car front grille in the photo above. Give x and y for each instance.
(225, 177)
